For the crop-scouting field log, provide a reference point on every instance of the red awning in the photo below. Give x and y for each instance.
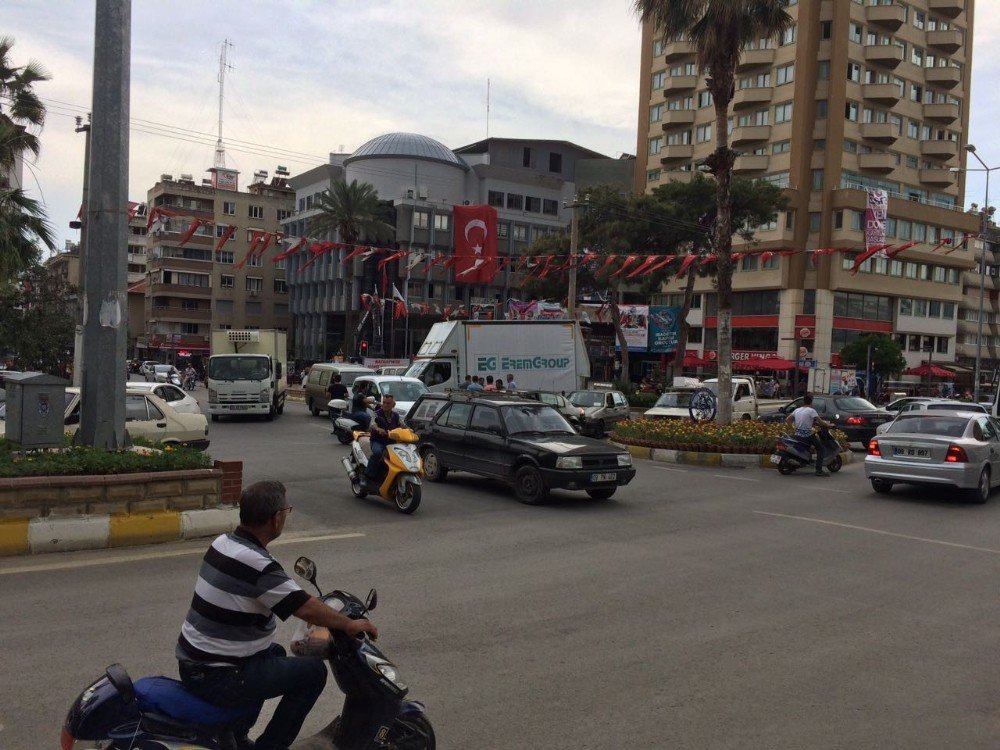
(929, 369)
(765, 363)
(693, 360)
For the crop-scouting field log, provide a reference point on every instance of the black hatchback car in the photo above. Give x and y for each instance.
(522, 442)
(856, 417)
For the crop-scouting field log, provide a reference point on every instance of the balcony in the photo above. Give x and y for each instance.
(939, 149)
(950, 41)
(880, 132)
(887, 16)
(883, 93)
(180, 313)
(751, 163)
(753, 97)
(942, 112)
(947, 78)
(673, 84)
(676, 153)
(883, 163)
(950, 8)
(674, 118)
(755, 58)
(179, 264)
(887, 55)
(937, 177)
(179, 290)
(677, 50)
(678, 176)
(750, 134)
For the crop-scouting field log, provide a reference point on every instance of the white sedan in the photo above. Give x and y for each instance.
(176, 397)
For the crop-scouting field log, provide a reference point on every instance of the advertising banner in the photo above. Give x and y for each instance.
(535, 310)
(635, 325)
(664, 329)
(875, 219)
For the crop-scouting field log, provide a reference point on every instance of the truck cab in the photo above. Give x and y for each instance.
(246, 373)
(744, 396)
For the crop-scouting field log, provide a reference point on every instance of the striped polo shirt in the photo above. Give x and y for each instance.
(240, 591)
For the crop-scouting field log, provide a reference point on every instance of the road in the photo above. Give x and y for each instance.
(700, 608)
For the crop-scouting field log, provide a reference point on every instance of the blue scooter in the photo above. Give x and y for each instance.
(791, 453)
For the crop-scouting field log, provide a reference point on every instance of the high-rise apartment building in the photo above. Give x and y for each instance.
(194, 289)
(855, 95)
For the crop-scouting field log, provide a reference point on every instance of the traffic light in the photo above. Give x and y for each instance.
(364, 347)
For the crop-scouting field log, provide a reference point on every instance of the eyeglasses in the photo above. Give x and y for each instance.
(286, 510)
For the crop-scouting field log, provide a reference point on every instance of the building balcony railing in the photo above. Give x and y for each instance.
(883, 163)
(180, 290)
(677, 50)
(178, 312)
(939, 149)
(950, 8)
(852, 194)
(753, 97)
(750, 134)
(881, 132)
(751, 163)
(676, 153)
(755, 58)
(673, 84)
(947, 78)
(887, 55)
(942, 112)
(883, 93)
(937, 177)
(887, 16)
(674, 118)
(678, 176)
(949, 40)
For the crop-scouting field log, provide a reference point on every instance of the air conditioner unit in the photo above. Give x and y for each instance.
(166, 178)
(187, 177)
(422, 192)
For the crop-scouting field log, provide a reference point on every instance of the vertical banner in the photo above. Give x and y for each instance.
(475, 244)
(635, 326)
(664, 329)
(875, 219)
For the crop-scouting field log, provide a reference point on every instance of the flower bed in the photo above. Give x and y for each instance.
(743, 436)
(81, 460)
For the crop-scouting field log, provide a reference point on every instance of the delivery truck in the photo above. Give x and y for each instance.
(547, 355)
(246, 373)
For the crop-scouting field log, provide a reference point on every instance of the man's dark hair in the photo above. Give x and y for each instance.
(807, 399)
(468, 377)
(388, 395)
(336, 377)
(489, 378)
(475, 378)
(260, 501)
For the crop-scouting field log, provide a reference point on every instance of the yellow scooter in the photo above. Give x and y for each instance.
(404, 469)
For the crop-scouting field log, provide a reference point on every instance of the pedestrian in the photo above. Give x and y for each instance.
(499, 385)
(511, 385)
(475, 385)
(489, 384)
(226, 652)
(465, 386)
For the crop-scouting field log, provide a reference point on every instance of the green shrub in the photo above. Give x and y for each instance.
(642, 400)
(745, 435)
(78, 460)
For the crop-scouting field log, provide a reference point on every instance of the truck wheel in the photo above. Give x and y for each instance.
(281, 407)
(528, 485)
(270, 414)
(215, 417)
(312, 409)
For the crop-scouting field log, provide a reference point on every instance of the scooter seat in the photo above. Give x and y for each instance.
(168, 700)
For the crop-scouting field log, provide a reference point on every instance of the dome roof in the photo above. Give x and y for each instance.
(406, 146)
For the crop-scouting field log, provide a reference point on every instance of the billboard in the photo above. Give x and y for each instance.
(664, 329)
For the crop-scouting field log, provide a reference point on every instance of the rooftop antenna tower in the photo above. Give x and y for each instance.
(487, 109)
(220, 150)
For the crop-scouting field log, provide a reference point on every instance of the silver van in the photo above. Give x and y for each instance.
(319, 380)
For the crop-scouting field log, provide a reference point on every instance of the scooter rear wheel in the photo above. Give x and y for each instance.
(785, 467)
(358, 487)
(412, 733)
(836, 464)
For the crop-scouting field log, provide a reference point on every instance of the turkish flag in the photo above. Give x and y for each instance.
(475, 240)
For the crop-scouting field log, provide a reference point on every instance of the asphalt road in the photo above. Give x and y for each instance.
(700, 608)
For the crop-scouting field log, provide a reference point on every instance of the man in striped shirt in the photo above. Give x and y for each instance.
(225, 650)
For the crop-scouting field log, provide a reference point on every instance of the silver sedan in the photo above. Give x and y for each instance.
(958, 449)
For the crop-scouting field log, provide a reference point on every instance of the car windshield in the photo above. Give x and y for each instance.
(673, 401)
(164, 368)
(402, 390)
(347, 377)
(535, 418)
(930, 425)
(586, 398)
(238, 368)
(853, 403)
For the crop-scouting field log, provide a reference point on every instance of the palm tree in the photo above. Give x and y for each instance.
(20, 107)
(719, 31)
(352, 212)
(22, 227)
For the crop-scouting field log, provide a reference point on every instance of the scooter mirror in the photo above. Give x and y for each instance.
(372, 601)
(307, 569)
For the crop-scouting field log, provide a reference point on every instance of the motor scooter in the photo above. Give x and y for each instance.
(344, 426)
(791, 453)
(401, 484)
(115, 713)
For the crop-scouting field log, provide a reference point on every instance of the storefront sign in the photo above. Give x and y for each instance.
(377, 362)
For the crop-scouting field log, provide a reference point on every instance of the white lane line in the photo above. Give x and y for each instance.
(153, 555)
(668, 468)
(733, 476)
(881, 532)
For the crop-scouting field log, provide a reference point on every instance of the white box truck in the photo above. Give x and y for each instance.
(246, 373)
(546, 355)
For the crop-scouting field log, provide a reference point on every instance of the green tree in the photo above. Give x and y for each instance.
(352, 213)
(887, 355)
(21, 110)
(23, 226)
(37, 321)
(719, 31)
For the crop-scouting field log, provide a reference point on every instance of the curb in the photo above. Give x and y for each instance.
(72, 533)
(697, 458)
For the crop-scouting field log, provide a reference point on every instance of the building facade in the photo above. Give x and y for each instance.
(420, 180)
(854, 96)
(194, 289)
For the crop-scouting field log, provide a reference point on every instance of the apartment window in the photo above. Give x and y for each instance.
(515, 201)
(495, 198)
(283, 214)
(226, 281)
(826, 29)
(280, 286)
(533, 204)
(441, 222)
(254, 260)
(659, 79)
(823, 70)
(550, 207)
(256, 212)
(782, 112)
(682, 138)
(653, 175)
(220, 229)
(912, 129)
(822, 109)
(817, 180)
(526, 157)
(789, 35)
(919, 19)
(784, 74)
(854, 32)
(502, 231)
(704, 133)
(656, 113)
(555, 163)
(190, 329)
(520, 233)
(254, 283)
(225, 257)
(853, 72)
(657, 48)
(815, 221)
(851, 111)
(750, 263)
(421, 219)
(655, 144)
(917, 57)
(229, 208)
(781, 147)
(704, 99)
(862, 306)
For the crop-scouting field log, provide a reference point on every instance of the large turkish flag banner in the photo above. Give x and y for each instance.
(475, 243)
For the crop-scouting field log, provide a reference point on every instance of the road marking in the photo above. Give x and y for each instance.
(156, 554)
(733, 476)
(668, 468)
(881, 532)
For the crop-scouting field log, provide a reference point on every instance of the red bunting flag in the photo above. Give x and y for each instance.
(290, 251)
(356, 251)
(607, 264)
(688, 260)
(942, 243)
(389, 258)
(268, 239)
(709, 260)
(629, 260)
(862, 257)
(650, 260)
(905, 246)
(195, 223)
(661, 264)
(226, 236)
(964, 244)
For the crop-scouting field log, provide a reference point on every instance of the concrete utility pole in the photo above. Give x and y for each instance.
(574, 241)
(105, 310)
(82, 225)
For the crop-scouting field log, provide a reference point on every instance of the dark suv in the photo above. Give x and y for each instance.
(516, 440)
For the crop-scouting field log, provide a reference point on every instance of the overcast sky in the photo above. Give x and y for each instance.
(312, 77)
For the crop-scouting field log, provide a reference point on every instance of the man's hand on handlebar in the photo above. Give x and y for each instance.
(357, 627)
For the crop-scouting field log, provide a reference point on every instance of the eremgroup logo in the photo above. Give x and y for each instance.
(504, 363)
(486, 363)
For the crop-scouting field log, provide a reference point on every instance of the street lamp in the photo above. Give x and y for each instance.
(983, 226)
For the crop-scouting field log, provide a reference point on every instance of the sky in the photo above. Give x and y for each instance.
(311, 77)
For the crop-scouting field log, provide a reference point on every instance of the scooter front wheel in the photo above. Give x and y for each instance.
(408, 498)
(345, 438)
(412, 732)
(785, 466)
(836, 464)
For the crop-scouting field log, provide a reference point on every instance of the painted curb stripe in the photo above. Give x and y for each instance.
(14, 537)
(67, 533)
(144, 528)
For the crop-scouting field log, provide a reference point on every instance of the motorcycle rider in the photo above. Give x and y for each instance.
(359, 405)
(336, 389)
(225, 651)
(804, 419)
(386, 420)
(190, 376)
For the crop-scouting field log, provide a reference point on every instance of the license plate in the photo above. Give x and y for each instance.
(911, 452)
(610, 477)
(239, 407)
(775, 458)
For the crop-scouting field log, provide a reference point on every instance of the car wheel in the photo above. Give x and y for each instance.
(528, 485)
(982, 491)
(882, 486)
(312, 408)
(433, 469)
(602, 494)
(746, 417)
(836, 464)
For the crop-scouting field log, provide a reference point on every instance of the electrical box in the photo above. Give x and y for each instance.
(36, 406)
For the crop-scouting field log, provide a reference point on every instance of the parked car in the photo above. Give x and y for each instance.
(525, 443)
(319, 380)
(959, 449)
(744, 396)
(160, 373)
(856, 417)
(560, 403)
(405, 390)
(899, 403)
(147, 367)
(178, 398)
(601, 410)
(933, 404)
(672, 404)
(146, 415)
